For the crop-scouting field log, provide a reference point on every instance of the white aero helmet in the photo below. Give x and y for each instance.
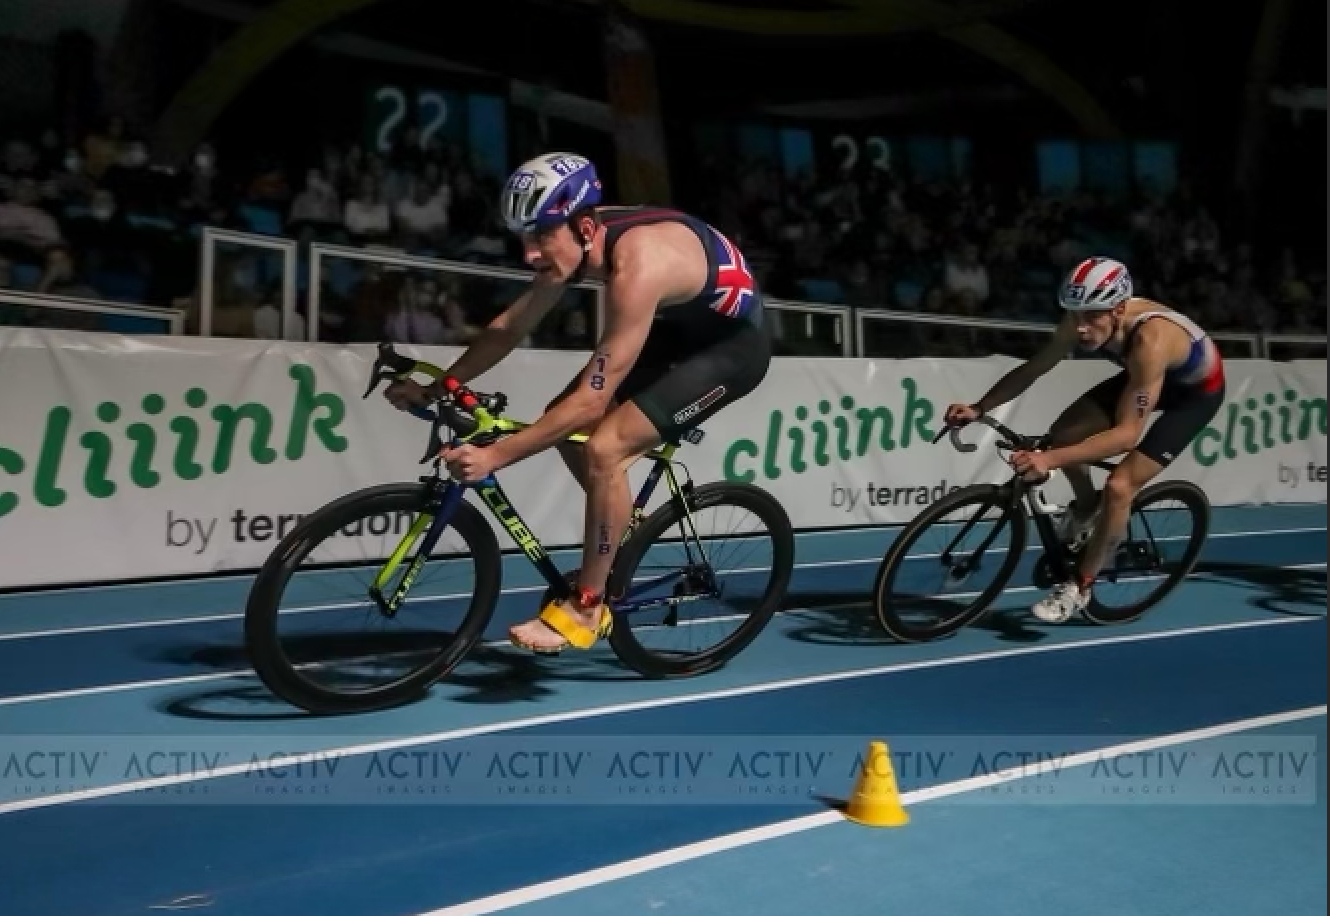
(1095, 284)
(543, 192)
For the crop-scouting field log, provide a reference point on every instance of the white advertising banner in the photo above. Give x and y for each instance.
(849, 442)
(124, 458)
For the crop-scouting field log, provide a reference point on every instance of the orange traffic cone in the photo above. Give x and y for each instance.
(876, 801)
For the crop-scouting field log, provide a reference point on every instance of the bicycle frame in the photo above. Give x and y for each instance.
(446, 494)
(1061, 561)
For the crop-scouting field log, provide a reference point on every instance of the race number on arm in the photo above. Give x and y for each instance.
(1145, 382)
(636, 285)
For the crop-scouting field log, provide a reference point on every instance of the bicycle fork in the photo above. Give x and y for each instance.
(959, 571)
(432, 522)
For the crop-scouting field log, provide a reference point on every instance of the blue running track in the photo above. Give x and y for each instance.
(1173, 766)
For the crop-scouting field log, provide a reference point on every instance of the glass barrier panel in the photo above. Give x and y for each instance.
(800, 331)
(902, 338)
(1237, 346)
(248, 288)
(33, 311)
(1286, 349)
(368, 296)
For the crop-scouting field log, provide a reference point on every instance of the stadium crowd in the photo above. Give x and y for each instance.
(100, 219)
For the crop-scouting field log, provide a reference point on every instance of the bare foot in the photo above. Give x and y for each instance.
(537, 634)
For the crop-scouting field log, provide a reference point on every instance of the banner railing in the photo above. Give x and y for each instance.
(887, 334)
(1238, 344)
(1286, 347)
(73, 314)
(800, 328)
(811, 328)
(241, 293)
(953, 336)
(437, 299)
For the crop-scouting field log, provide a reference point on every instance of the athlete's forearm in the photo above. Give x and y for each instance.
(1010, 386)
(573, 413)
(503, 334)
(484, 353)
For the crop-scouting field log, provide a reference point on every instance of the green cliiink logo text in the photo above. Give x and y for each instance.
(839, 435)
(1255, 426)
(167, 441)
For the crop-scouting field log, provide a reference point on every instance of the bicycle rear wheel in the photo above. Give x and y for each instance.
(1150, 552)
(655, 576)
(302, 668)
(896, 603)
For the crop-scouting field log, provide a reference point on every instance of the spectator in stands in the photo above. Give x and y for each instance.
(199, 183)
(1291, 291)
(965, 281)
(101, 149)
(366, 214)
(865, 287)
(417, 318)
(24, 223)
(18, 163)
(268, 323)
(60, 277)
(422, 217)
(317, 204)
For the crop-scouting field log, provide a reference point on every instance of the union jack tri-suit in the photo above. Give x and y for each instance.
(704, 353)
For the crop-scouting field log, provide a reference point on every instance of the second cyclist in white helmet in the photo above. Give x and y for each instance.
(1169, 366)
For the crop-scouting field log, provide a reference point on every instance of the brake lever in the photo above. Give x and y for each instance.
(389, 366)
(435, 421)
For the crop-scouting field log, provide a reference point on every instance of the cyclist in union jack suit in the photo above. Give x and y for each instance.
(1169, 365)
(683, 339)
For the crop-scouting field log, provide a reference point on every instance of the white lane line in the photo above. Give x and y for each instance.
(574, 715)
(97, 689)
(338, 606)
(693, 851)
(516, 590)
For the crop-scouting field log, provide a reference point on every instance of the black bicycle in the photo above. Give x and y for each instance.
(647, 587)
(915, 613)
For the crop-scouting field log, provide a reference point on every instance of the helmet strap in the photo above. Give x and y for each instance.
(573, 221)
(576, 275)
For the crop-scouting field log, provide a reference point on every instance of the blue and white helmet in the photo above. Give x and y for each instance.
(546, 190)
(1095, 284)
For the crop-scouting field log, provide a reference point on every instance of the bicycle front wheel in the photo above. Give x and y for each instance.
(675, 564)
(344, 652)
(949, 544)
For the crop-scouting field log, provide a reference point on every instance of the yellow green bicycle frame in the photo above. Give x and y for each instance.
(431, 523)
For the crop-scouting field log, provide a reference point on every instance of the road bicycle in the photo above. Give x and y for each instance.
(1138, 554)
(436, 504)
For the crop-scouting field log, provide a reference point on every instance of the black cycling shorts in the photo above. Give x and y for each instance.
(693, 364)
(1184, 414)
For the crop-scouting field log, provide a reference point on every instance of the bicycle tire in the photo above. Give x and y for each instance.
(1195, 499)
(270, 661)
(745, 496)
(991, 494)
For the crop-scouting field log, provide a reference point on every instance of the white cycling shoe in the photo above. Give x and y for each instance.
(1062, 603)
